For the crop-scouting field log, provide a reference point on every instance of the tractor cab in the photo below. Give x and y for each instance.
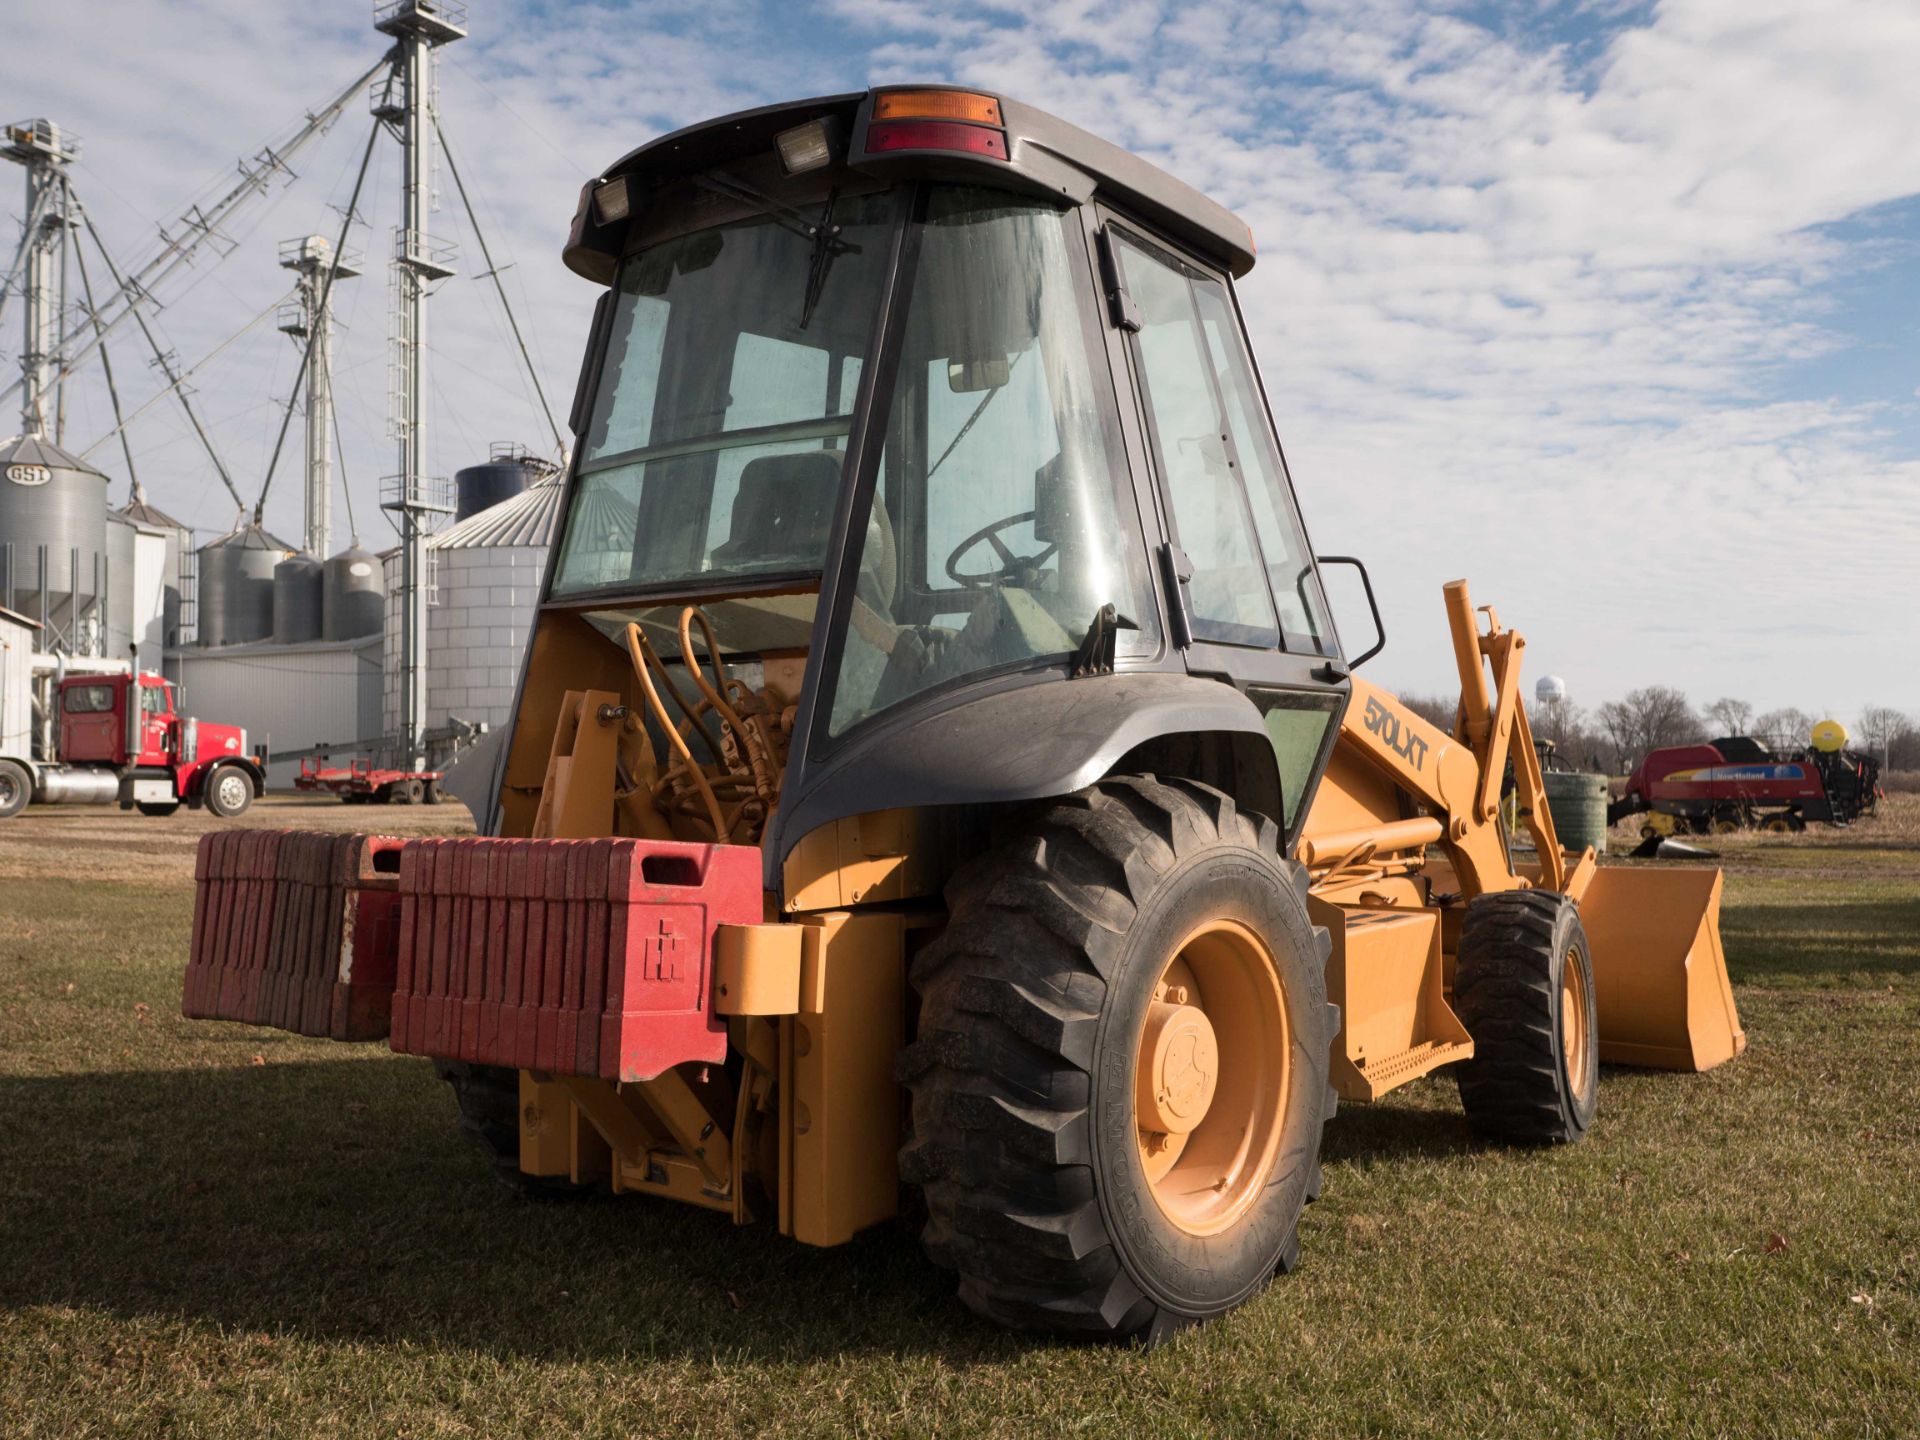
(942, 413)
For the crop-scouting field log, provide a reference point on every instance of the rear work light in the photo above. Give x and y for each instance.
(805, 147)
(937, 105)
(935, 135)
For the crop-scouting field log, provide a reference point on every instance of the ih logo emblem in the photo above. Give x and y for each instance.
(1381, 721)
(660, 953)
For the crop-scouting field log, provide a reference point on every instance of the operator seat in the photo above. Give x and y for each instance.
(783, 513)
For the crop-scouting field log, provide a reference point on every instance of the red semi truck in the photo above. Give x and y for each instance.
(122, 741)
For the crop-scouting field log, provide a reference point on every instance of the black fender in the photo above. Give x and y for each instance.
(245, 762)
(1022, 742)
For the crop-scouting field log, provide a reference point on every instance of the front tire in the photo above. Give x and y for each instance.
(229, 791)
(1120, 1077)
(487, 1098)
(1523, 987)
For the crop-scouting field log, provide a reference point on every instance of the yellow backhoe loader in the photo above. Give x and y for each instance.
(935, 762)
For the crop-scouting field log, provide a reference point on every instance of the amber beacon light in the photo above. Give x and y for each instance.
(957, 120)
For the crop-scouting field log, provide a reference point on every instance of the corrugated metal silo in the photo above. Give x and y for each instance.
(354, 597)
(52, 499)
(117, 592)
(297, 599)
(236, 586)
(179, 542)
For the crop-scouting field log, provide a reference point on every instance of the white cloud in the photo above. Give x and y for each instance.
(1523, 304)
(1522, 321)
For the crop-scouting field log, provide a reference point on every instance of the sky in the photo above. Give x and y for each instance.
(1609, 307)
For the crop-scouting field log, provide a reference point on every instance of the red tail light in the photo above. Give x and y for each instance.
(935, 135)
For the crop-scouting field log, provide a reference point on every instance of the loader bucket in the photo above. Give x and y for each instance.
(1659, 974)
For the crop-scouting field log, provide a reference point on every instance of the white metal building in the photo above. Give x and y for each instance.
(291, 698)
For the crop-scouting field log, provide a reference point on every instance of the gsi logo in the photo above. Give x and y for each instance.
(1383, 722)
(29, 474)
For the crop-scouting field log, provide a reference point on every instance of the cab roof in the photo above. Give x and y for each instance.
(901, 132)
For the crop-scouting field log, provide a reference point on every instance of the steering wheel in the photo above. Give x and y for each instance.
(1014, 569)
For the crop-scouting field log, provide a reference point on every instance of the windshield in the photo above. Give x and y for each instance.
(1002, 521)
(721, 414)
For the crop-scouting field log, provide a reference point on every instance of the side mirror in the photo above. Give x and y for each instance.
(1379, 628)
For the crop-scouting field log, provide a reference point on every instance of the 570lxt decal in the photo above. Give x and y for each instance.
(1400, 738)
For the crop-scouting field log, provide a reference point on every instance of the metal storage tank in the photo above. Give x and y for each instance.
(509, 471)
(486, 573)
(113, 617)
(236, 586)
(179, 544)
(297, 599)
(49, 497)
(353, 595)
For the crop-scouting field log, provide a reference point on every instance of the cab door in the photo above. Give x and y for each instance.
(156, 723)
(1243, 592)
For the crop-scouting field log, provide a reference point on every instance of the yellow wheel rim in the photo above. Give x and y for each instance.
(1576, 1022)
(1212, 1068)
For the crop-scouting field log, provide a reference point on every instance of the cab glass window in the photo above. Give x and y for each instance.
(1228, 595)
(998, 528)
(1296, 584)
(725, 397)
(89, 699)
(153, 699)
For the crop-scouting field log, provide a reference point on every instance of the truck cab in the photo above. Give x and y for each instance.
(122, 739)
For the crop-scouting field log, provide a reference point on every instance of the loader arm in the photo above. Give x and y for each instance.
(1456, 778)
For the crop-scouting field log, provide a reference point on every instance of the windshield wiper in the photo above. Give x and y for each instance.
(823, 233)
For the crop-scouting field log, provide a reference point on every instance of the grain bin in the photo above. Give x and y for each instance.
(509, 471)
(53, 505)
(353, 597)
(297, 599)
(236, 586)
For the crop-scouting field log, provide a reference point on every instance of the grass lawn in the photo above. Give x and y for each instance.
(209, 1230)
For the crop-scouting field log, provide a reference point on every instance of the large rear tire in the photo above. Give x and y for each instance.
(1119, 1080)
(16, 788)
(1523, 987)
(488, 1100)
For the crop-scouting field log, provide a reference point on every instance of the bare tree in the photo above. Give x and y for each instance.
(1880, 726)
(1787, 729)
(1731, 716)
(1650, 718)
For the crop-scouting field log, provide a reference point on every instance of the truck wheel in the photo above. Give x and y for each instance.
(16, 788)
(1523, 987)
(229, 791)
(159, 809)
(430, 793)
(408, 792)
(488, 1099)
(1120, 1076)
